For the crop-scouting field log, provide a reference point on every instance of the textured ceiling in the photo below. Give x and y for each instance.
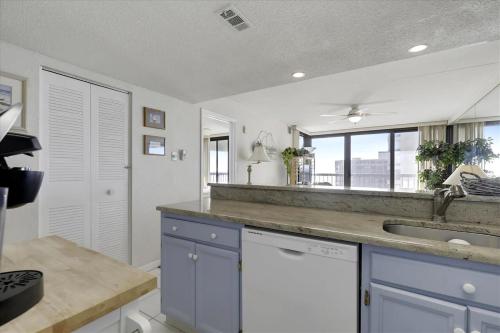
(183, 49)
(431, 88)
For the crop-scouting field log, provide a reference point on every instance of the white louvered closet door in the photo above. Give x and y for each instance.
(109, 145)
(65, 135)
(84, 136)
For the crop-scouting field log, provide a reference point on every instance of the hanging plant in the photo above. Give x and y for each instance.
(445, 156)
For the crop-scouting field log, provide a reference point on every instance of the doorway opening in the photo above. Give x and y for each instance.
(217, 150)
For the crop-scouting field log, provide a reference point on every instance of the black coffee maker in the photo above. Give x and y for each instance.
(19, 290)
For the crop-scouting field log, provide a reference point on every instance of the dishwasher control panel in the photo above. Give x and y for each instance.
(307, 245)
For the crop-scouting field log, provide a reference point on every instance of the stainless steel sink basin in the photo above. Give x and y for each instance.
(444, 235)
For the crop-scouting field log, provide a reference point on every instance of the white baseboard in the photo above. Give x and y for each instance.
(152, 265)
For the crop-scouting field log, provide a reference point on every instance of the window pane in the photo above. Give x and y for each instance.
(212, 148)
(405, 166)
(370, 161)
(329, 161)
(492, 168)
(223, 161)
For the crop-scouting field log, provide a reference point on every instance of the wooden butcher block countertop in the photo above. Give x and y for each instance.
(80, 285)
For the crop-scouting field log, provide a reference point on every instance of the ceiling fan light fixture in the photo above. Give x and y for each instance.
(417, 48)
(354, 119)
(298, 75)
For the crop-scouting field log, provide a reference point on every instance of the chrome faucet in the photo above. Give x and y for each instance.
(442, 199)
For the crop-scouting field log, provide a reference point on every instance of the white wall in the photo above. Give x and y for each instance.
(155, 180)
(269, 173)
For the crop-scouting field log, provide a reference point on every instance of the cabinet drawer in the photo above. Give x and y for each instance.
(459, 282)
(202, 232)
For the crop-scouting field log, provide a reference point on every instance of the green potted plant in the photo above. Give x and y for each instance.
(445, 156)
(287, 155)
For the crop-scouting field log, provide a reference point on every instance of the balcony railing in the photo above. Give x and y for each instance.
(333, 179)
(371, 180)
(223, 177)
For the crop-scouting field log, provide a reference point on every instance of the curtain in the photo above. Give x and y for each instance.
(431, 133)
(468, 131)
(434, 133)
(295, 136)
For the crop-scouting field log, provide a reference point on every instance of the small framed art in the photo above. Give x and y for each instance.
(13, 91)
(154, 145)
(154, 118)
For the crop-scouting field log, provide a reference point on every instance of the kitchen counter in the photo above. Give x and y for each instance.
(346, 226)
(80, 285)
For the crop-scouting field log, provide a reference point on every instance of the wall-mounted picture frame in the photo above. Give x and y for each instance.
(154, 118)
(154, 145)
(13, 91)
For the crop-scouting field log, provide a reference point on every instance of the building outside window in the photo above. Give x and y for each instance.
(492, 130)
(405, 167)
(329, 160)
(370, 161)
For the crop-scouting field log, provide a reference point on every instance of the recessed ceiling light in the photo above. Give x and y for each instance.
(417, 48)
(298, 75)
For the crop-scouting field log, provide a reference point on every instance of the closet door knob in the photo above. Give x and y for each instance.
(458, 330)
(195, 257)
(110, 192)
(190, 255)
(174, 228)
(475, 331)
(469, 288)
(213, 236)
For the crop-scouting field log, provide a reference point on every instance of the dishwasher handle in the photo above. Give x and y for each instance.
(293, 254)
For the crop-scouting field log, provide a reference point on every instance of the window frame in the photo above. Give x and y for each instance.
(217, 139)
(347, 149)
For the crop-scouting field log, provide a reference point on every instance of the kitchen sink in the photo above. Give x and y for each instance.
(427, 230)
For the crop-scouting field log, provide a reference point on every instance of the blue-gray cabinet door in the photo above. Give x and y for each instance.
(396, 311)
(178, 279)
(483, 321)
(217, 290)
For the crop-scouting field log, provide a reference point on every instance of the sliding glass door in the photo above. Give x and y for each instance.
(383, 159)
(219, 159)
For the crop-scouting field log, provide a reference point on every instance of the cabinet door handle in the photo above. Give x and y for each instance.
(458, 330)
(174, 228)
(213, 236)
(469, 288)
(190, 255)
(195, 257)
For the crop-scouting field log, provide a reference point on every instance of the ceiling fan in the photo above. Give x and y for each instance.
(356, 111)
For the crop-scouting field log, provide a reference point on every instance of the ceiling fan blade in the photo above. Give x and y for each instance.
(378, 102)
(337, 121)
(332, 115)
(378, 113)
(336, 104)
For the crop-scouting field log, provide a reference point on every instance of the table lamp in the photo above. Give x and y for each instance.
(259, 154)
(454, 178)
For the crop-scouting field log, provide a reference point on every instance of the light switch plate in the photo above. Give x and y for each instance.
(182, 154)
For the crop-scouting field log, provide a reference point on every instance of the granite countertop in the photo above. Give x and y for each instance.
(428, 195)
(351, 227)
(80, 285)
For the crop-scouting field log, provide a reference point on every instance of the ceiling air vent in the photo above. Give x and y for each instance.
(234, 18)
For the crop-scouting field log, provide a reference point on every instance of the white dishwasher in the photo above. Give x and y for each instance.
(298, 284)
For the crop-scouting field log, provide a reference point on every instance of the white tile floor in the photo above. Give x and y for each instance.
(150, 308)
